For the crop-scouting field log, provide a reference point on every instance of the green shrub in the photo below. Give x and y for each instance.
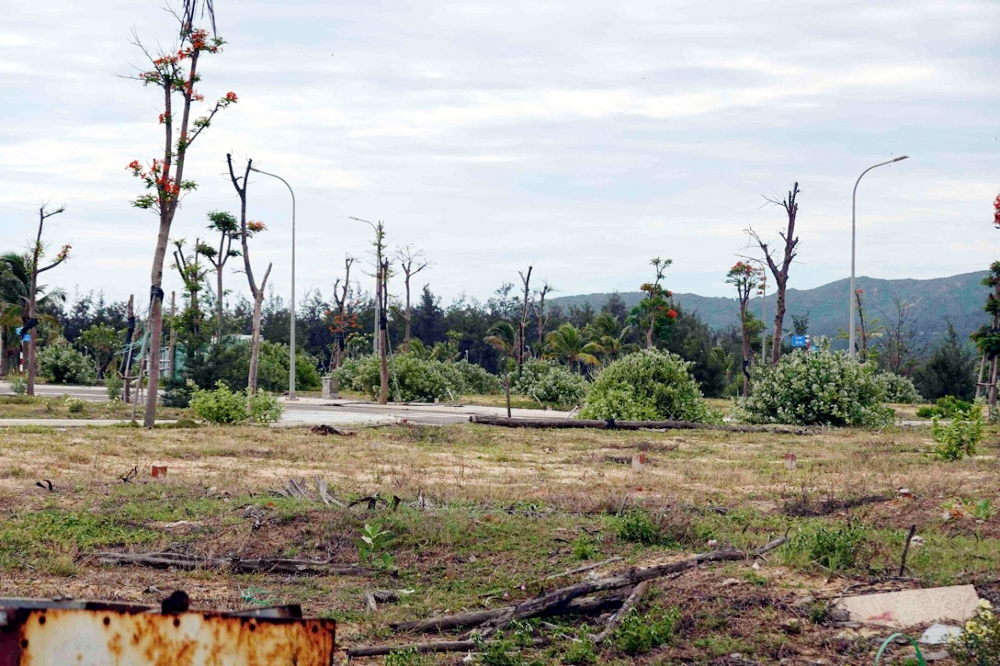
(899, 389)
(960, 437)
(638, 634)
(947, 407)
(549, 383)
(18, 385)
(637, 526)
(113, 385)
(61, 364)
(833, 547)
(816, 388)
(230, 362)
(224, 405)
(177, 393)
(647, 386)
(477, 379)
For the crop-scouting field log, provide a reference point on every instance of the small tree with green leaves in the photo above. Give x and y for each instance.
(655, 309)
(503, 337)
(228, 228)
(744, 277)
(988, 337)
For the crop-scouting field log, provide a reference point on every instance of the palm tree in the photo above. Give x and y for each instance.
(502, 337)
(610, 337)
(569, 344)
(15, 285)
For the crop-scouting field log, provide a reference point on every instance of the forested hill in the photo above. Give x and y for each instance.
(959, 299)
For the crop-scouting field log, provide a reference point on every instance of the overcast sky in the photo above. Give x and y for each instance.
(581, 137)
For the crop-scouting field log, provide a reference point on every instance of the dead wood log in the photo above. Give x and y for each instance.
(544, 603)
(323, 490)
(612, 424)
(580, 606)
(586, 567)
(442, 646)
(620, 614)
(262, 565)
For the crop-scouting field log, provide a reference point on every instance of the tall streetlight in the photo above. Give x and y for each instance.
(291, 305)
(854, 199)
(378, 302)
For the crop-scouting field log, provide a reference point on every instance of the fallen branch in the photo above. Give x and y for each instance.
(620, 614)
(612, 424)
(544, 603)
(581, 606)
(442, 646)
(586, 567)
(263, 565)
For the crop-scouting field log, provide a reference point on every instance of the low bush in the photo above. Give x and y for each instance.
(647, 386)
(899, 389)
(947, 407)
(75, 405)
(816, 388)
(223, 405)
(61, 364)
(113, 385)
(416, 377)
(960, 437)
(639, 633)
(177, 393)
(18, 385)
(549, 383)
(230, 362)
(833, 547)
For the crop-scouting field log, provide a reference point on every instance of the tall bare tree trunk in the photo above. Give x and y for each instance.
(747, 352)
(383, 336)
(258, 301)
(780, 272)
(523, 322)
(156, 320)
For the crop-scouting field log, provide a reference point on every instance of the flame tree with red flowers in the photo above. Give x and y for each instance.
(744, 277)
(29, 328)
(655, 309)
(175, 73)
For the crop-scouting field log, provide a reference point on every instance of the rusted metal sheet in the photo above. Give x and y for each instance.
(51, 633)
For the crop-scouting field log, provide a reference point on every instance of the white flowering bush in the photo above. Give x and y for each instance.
(647, 386)
(979, 642)
(816, 388)
(899, 389)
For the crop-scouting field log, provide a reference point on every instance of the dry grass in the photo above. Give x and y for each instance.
(509, 506)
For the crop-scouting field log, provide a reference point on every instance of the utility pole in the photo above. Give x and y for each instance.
(173, 336)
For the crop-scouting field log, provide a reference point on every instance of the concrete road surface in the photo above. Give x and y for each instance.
(316, 411)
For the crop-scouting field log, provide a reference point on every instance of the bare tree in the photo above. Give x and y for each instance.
(412, 261)
(543, 319)
(382, 294)
(341, 322)
(247, 230)
(900, 333)
(31, 320)
(523, 321)
(780, 271)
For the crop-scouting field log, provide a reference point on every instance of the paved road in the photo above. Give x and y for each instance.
(309, 411)
(90, 393)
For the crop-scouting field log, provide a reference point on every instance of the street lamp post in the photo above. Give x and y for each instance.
(291, 305)
(854, 198)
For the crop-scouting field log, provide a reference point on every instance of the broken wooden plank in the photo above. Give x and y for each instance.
(441, 646)
(612, 424)
(620, 614)
(261, 565)
(582, 606)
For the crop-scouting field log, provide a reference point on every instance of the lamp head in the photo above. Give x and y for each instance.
(901, 158)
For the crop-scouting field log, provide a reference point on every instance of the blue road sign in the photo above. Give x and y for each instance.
(800, 341)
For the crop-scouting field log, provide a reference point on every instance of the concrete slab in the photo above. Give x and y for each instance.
(912, 607)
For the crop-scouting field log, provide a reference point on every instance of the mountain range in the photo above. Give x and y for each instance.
(932, 303)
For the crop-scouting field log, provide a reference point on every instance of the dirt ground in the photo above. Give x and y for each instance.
(484, 514)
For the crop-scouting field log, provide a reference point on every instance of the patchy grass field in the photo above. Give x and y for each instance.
(48, 407)
(501, 510)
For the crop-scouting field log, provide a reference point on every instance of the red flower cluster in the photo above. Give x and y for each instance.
(996, 212)
(230, 97)
(672, 313)
(256, 226)
(153, 179)
(164, 118)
